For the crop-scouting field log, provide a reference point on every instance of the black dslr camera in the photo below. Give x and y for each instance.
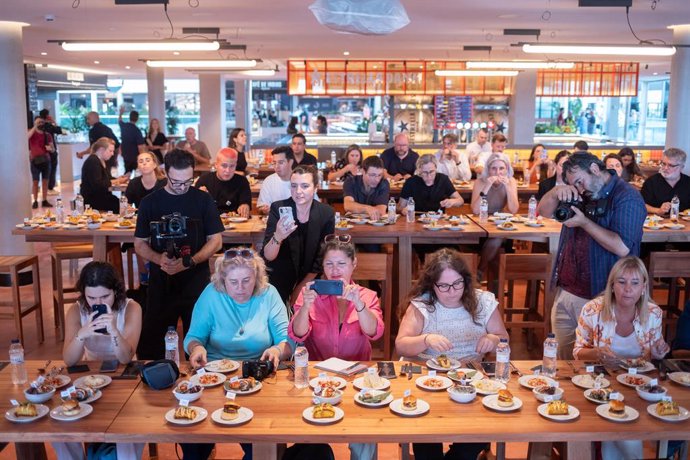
(590, 208)
(257, 369)
(165, 233)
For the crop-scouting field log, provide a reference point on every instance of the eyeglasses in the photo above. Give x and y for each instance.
(340, 238)
(178, 183)
(444, 287)
(243, 253)
(663, 164)
(427, 173)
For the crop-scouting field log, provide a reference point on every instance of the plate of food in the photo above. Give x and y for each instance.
(185, 390)
(457, 375)
(632, 380)
(359, 221)
(507, 226)
(371, 382)
(58, 381)
(454, 228)
(502, 215)
(232, 414)
(343, 225)
(71, 410)
(534, 223)
(558, 411)
(617, 411)
(39, 393)
(86, 394)
(437, 383)
(245, 386)
(681, 378)
(674, 226)
(488, 386)
(503, 401)
(27, 226)
(534, 381)
(26, 412)
(73, 226)
(642, 365)
(182, 415)
(124, 223)
(333, 382)
(229, 226)
(460, 220)
(434, 226)
(223, 366)
(443, 363)
(653, 226)
(373, 398)
(549, 392)
(668, 411)
(323, 414)
(93, 381)
(50, 226)
(588, 381)
(462, 183)
(410, 406)
(379, 222)
(209, 379)
(327, 395)
(518, 218)
(601, 395)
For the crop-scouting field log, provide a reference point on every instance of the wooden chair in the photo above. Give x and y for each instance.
(533, 268)
(672, 265)
(379, 267)
(58, 253)
(14, 273)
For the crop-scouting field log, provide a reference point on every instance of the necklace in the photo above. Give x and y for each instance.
(244, 323)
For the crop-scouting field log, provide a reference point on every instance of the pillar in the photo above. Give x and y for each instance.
(243, 107)
(677, 132)
(521, 119)
(155, 82)
(613, 131)
(15, 175)
(212, 107)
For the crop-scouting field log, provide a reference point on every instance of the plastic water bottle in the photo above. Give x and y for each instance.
(320, 169)
(410, 210)
(79, 204)
(17, 362)
(548, 366)
(503, 361)
(337, 218)
(60, 211)
(333, 158)
(638, 157)
(123, 205)
(171, 351)
(391, 211)
(532, 208)
(516, 158)
(675, 208)
(301, 367)
(483, 209)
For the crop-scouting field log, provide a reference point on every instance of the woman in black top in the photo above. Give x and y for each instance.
(292, 127)
(96, 180)
(631, 170)
(151, 179)
(238, 141)
(350, 164)
(156, 140)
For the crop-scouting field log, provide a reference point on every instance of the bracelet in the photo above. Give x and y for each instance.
(275, 240)
(426, 337)
(359, 311)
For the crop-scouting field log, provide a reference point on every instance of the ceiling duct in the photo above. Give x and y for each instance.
(364, 17)
(476, 48)
(523, 32)
(201, 31)
(141, 2)
(605, 3)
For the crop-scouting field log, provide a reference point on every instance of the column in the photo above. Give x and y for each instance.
(212, 117)
(15, 175)
(677, 132)
(243, 107)
(155, 82)
(612, 128)
(521, 119)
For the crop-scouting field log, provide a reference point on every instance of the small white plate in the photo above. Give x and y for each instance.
(648, 367)
(359, 221)
(524, 381)
(307, 415)
(679, 376)
(377, 223)
(573, 413)
(506, 229)
(237, 220)
(224, 366)
(653, 227)
(502, 215)
(316, 380)
(491, 402)
(476, 375)
(201, 414)
(84, 381)
(422, 408)
(433, 228)
(622, 380)
(57, 414)
(445, 383)
(630, 414)
(50, 227)
(684, 414)
(432, 364)
(27, 227)
(73, 227)
(196, 379)
(123, 227)
(597, 401)
(455, 228)
(587, 381)
(42, 410)
(487, 386)
(97, 394)
(359, 384)
(229, 227)
(347, 227)
(257, 386)
(243, 416)
(61, 381)
(674, 226)
(385, 402)
(534, 224)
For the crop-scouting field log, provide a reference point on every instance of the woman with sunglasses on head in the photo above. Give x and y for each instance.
(446, 315)
(341, 326)
(239, 315)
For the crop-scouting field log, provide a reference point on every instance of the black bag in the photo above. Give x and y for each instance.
(160, 374)
(39, 160)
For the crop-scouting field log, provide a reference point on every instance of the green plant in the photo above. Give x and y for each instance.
(172, 119)
(76, 116)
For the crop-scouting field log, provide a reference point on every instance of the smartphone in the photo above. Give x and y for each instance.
(77, 369)
(109, 366)
(489, 368)
(100, 309)
(544, 154)
(286, 211)
(328, 287)
(131, 371)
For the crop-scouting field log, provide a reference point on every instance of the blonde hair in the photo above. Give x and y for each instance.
(635, 265)
(423, 160)
(496, 157)
(157, 170)
(225, 265)
(101, 143)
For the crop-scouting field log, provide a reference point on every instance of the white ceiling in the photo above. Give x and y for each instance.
(277, 30)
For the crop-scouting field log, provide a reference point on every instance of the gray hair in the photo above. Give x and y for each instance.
(676, 154)
(496, 157)
(423, 160)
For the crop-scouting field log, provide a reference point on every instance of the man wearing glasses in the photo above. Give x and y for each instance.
(367, 193)
(452, 162)
(230, 191)
(276, 187)
(175, 280)
(659, 189)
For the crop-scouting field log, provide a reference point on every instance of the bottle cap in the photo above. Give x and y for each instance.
(551, 335)
(504, 340)
(15, 341)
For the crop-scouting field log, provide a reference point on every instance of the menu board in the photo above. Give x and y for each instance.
(451, 112)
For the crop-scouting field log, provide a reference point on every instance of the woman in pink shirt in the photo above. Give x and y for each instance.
(337, 326)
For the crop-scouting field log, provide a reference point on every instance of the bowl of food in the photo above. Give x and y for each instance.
(462, 393)
(188, 391)
(651, 393)
(328, 395)
(39, 394)
(541, 393)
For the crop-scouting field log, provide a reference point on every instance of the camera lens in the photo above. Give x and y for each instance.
(175, 225)
(563, 212)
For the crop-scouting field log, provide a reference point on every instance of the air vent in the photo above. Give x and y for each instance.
(476, 48)
(530, 32)
(141, 2)
(606, 3)
(201, 30)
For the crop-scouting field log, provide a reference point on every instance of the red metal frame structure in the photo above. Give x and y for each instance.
(603, 79)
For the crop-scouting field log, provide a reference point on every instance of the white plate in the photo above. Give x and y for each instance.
(96, 396)
(95, 226)
(194, 380)
(229, 227)
(476, 376)
(487, 390)
(359, 221)
(432, 364)
(433, 228)
(491, 402)
(509, 229)
(50, 227)
(83, 381)
(524, 381)
(61, 381)
(57, 414)
(359, 384)
(42, 410)
(243, 416)
(307, 415)
(534, 224)
(674, 226)
(573, 413)
(377, 223)
(237, 220)
(73, 227)
(222, 365)
(684, 414)
(27, 227)
(678, 378)
(201, 414)
(385, 402)
(630, 414)
(341, 382)
(257, 386)
(594, 400)
(422, 408)
(347, 227)
(621, 379)
(648, 367)
(454, 228)
(445, 381)
(123, 227)
(653, 227)
(502, 215)
(583, 382)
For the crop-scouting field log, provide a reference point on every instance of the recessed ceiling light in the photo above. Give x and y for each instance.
(176, 53)
(346, 53)
(96, 62)
(655, 73)
(127, 67)
(43, 53)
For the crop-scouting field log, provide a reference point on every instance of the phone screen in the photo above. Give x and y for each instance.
(489, 368)
(101, 309)
(109, 366)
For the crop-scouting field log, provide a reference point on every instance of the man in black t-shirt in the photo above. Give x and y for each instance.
(302, 157)
(178, 275)
(369, 192)
(399, 160)
(133, 142)
(97, 131)
(431, 190)
(230, 191)
(659, 189)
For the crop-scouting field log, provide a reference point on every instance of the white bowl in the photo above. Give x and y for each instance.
(332, 400)
(40, 397)
(188, 396)
(462, 397)
(93, 225)
(648, 396)
(542, 396)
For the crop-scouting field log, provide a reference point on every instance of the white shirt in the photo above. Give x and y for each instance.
(273, 189)
(476, 152)
(626, 347)
(460, 170)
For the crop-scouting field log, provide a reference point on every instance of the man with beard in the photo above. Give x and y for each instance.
(589, 244)
(659, 189)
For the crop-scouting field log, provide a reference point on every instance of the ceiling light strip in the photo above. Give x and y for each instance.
(476, 73)
(205, 64)
(142, 45)
(617, 50)
(519, 65)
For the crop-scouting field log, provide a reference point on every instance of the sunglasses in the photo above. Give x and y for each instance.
(243, 253)
(341, 238)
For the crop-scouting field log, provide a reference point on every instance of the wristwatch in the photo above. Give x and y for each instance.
(188, 262)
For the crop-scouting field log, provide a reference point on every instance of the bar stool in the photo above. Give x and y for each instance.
(58, 253)
(12, 276)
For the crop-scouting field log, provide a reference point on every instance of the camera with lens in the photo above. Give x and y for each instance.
(167, 231)
(257, 369)
(590, 208)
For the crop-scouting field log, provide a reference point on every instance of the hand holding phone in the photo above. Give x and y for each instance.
(328, 287)
(100, 310)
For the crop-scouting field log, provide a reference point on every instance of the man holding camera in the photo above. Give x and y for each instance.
(54, 130)
(602, 219)
(178, 230)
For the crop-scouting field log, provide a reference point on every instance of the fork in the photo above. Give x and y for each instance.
(515, 369)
